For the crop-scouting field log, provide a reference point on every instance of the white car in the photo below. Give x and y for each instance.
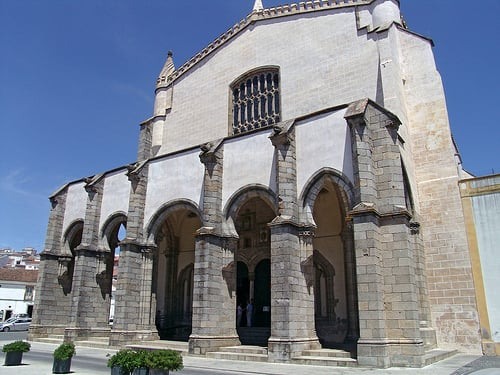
(15, 324)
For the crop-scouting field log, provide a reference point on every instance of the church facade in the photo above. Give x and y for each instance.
(301, 163)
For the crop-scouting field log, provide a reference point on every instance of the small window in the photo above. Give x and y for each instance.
(28, 293)
(256, 101)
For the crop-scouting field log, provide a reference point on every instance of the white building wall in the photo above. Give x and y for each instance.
(323, 141)
(176, 177)
(116, 193)
(12, 297)
(248, 160)
(76, 204)
(324, 61)
(486, 210)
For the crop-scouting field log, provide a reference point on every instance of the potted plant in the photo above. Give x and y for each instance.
(160, 362)
(127, 361)
(62, 358)
(14, 352)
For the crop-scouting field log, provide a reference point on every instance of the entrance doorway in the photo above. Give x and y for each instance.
(253, 293)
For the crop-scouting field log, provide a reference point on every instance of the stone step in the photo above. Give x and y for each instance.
(235, 356)
(244, 349)
(50, 340)
(331, 353)
(437, 355)
(179, 346)
(97, 342)
(325, 361)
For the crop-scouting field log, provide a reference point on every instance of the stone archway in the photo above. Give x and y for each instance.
(326, 203)
(174, 232)
(72, 238)
(248, 216)
(112, 233)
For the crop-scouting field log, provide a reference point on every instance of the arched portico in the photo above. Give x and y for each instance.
(172, 230)
(326, 201)
(248, 214)
(112, 232)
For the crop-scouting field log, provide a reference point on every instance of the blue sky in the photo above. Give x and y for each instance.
(77, 77)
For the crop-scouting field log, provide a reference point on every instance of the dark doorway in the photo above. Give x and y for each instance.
(262, 293)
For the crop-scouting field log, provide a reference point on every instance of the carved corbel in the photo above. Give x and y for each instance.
(64, 278)
(414, 227)
(134, 172)
(282, 134)
(208, 154)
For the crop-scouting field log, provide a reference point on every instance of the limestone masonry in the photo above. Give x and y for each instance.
(296, 188)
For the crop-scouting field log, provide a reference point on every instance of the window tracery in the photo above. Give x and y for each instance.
(256, 101)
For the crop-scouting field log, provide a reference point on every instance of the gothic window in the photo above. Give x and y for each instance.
(256, 100)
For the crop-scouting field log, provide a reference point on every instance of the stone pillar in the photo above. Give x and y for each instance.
(92, 274)
(135, 307)
(292, 285)
(351, 290)
(427, 332)
(214, 302)
(385, 261)
(49, 292)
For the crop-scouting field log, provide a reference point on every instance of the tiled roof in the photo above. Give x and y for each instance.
(16, 274)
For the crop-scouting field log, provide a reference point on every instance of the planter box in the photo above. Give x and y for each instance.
(153, 371)
(141, 371)
(117, 370)
(13, 358)
(61, 366)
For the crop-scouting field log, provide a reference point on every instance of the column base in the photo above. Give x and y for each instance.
(76, 334)
(119, 338)
(284, 350)
(386, 353)
(200, 345)
(38, 331)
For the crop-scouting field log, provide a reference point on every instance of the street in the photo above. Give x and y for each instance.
(92, 361)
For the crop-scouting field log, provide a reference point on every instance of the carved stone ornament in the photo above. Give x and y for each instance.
(208, 154)
(134, 171)
(282, 134)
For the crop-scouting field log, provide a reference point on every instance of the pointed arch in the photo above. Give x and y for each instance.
(238, 199)
(160, 216)
(316, 183)
(109, 230)
(72, 235)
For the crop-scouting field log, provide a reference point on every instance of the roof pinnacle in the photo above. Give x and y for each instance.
(166, 72)
(257, 6)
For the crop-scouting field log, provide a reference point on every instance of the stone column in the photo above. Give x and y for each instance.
(292, 286)
(351, 290)
(214, 302)
(92, 274)
(385, 262)
(48, 291)
(135, 308)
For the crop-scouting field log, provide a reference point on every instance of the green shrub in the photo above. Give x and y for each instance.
(64, 351)
(128, 359)
(17, 346)
(164, 360)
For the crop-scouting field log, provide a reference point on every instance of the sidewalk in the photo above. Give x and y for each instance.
(90, 361)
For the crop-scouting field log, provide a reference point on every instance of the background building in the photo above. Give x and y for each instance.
(17, 292)
(481, 202)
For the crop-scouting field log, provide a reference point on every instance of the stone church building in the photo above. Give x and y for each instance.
(303, 163)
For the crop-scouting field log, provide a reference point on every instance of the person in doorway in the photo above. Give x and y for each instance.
(249, 313)
(239, 314)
